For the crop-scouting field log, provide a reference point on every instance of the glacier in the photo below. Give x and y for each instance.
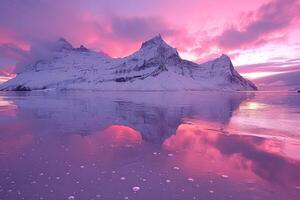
(155, 66)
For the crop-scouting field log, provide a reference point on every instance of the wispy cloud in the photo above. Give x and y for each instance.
(269, 22)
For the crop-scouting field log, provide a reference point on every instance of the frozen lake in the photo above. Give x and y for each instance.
(149, 145)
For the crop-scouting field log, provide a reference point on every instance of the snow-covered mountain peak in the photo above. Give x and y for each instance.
(61, 44)
(157, 48)
(221, 64)
(154, 42)
(224, 58)
(82, 49)
(155, 66)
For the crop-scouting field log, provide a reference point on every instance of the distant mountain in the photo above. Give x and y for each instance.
(155, 66)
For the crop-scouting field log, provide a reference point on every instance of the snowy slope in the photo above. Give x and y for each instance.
(155, 66)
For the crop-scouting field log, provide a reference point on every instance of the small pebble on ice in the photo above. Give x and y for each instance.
(190, 179)
(135, 188)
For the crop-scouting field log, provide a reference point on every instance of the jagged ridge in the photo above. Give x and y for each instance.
(155, 66)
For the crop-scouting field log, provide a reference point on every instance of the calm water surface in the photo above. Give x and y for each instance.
(135, 145)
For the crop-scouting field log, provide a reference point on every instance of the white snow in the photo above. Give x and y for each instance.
(155, 66)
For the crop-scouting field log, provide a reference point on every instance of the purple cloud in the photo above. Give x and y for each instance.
(93, 24)
(140, 28)
(271, 18)
(10, 53)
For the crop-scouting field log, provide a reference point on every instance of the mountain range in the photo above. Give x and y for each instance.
(155, 66)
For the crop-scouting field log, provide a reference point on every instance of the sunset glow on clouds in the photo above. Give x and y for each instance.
(254, 33)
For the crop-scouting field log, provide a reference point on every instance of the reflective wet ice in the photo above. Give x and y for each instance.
(149, 145)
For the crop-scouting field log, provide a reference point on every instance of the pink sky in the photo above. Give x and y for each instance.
(256, 33)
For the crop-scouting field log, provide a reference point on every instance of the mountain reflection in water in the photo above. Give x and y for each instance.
(173, 145)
